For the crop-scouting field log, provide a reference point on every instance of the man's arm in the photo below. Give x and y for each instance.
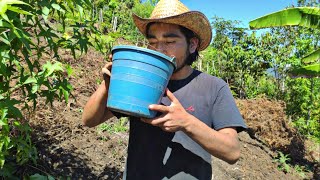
(222, 144)
(95, 111)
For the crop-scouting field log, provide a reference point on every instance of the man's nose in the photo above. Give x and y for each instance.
(160, 47)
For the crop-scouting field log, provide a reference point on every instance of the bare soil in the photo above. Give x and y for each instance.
(67, 149)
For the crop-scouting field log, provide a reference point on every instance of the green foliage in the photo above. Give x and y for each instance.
(40, 177)
(300, 170)
(236, 55)
(301, 97)
(309, 128)
(44, 177)
(143, 10)
(301, 16)
(119, 126)
(33, 31)
(303, 105)
(29, 35)
(14, 138)
(307, 71)
(298, 16)
(117, 22)
(284, 165)
(312, 57)
(241, 58)
(283, 161)
(265, 86)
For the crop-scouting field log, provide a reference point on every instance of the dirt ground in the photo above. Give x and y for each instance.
(67, 149)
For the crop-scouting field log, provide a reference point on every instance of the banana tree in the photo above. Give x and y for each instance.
(299, 16)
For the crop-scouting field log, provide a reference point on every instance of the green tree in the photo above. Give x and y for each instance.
(236, 55)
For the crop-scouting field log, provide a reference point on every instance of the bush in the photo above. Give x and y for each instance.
(265, 86)
(302, 99)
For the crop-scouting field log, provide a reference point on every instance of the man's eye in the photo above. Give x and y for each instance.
(170, 42)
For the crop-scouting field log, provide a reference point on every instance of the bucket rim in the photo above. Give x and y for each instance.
(172, 60)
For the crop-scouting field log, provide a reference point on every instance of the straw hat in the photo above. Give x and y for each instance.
(174, 12)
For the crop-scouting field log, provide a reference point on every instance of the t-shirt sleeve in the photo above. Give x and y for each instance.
(225, 112)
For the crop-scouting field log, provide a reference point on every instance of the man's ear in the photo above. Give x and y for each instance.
(194, 44)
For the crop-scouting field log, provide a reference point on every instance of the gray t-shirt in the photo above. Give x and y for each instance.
(156, 154)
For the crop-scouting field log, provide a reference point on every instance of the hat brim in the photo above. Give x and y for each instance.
(192, 20)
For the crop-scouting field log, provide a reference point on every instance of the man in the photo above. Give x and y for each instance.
(198, 116)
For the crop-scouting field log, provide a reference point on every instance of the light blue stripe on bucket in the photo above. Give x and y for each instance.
(146, 71)
(140, 67)
(138, 80)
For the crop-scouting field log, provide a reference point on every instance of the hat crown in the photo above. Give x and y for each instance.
(166, 8)
(174, 12)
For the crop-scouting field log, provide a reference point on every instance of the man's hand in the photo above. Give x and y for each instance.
(174, 117)
(222, 143)
(107, 69)
(106, 72)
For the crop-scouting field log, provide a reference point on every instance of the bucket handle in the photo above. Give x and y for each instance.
(173, 60)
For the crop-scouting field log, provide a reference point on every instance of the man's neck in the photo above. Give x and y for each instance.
(182, 73)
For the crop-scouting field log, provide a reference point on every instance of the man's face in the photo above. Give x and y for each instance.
(169, 40)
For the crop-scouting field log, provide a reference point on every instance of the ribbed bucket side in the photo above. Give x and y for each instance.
(138, 79)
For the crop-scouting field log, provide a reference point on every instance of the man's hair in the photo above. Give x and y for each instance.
(188, 34)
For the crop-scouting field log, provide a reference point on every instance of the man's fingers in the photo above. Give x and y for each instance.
(171, 96)
(106, 69)
(160, 108)
(158, 121)
(108, 65)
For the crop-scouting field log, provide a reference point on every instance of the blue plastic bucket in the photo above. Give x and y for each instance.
(139, 77)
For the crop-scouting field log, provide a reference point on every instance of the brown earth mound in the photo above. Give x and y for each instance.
(268, 123)
(67, 149)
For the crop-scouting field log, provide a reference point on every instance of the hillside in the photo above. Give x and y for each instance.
(67, 149)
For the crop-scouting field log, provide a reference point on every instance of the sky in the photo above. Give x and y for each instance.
(242, 10)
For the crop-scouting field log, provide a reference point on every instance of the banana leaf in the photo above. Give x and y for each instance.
(309, 71)
(312, 57)
(298, 16)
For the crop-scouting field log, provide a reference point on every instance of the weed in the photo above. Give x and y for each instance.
(300, 171)
(98, 81)
(47, 177)
(283, 160)
(119, 126)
